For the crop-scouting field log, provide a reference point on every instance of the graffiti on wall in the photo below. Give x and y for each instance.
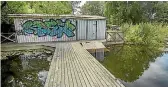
(49, 27)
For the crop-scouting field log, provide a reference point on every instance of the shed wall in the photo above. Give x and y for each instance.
(81, 29)
(101, 29)
(43, 30)
(91, 29)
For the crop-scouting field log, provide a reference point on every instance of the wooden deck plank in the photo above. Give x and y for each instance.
(67, 77)
(56, 65)
(102, 75)
(85, 75)
(93, 45)
(69, 70)
(104, 70)
(62, 84)
(82, 53)
(97, 80)
(97, 72)
(55, 69)
(93, 60)
(94, 68)
(50, 74)
(57, 76)
(79, 71)
(92, 80)
(73, 66)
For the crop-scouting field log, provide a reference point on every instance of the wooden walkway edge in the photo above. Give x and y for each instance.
(73, 66)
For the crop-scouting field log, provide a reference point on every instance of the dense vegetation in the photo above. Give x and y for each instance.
(117, 12)
(134, 12)
(43, 7)
(147, 21)
(143, 23)
(93, 8)
(145, 33)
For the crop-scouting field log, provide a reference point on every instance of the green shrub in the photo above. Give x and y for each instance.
(145, 33)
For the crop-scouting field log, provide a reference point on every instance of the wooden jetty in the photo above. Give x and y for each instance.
(74, 66)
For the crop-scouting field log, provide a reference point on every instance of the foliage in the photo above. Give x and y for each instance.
(122, 12)
(114, 12)
(146, 22)
(145, 33)
(40, 7)
(162, 12)
(135, 12)
(75, 6)
(93, 8)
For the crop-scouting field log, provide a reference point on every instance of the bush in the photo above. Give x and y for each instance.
(145, 33)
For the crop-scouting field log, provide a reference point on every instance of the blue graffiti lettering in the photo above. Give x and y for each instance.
(51, 28)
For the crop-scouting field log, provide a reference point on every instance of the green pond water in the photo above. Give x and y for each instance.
(137, 66)
(134, 66)
(27, 68)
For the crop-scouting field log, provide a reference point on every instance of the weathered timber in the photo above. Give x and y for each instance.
(73, 66)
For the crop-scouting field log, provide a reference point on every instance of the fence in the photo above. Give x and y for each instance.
(8, 37)
(115, 37)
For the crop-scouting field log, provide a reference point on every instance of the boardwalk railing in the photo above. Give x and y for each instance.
(114, 36)
(8, 36)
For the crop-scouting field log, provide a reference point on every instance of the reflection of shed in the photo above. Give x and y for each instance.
(95, 48)
(42, 28)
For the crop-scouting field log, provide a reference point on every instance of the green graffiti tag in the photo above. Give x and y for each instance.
(51, 27)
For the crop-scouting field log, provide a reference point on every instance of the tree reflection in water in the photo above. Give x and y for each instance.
(128, 62)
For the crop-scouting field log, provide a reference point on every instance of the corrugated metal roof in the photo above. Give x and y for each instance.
(56, 16)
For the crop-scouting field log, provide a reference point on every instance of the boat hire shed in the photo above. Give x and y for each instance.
(43, 28)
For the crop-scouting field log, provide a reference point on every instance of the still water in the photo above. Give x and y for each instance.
(134, 66)
(137, 66)
(27, 69)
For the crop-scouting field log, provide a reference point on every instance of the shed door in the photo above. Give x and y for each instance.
(92, 29)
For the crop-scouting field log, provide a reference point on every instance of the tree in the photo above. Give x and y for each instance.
(136, 12)
(40, 7)
(3, 3)
(161, 14)
(115, 11)
(75, 6)
(93, 8)
(120, 12)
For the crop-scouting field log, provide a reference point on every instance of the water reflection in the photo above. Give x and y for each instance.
(129, 62)
(97, 53)
(29, 69)
(155, 76)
